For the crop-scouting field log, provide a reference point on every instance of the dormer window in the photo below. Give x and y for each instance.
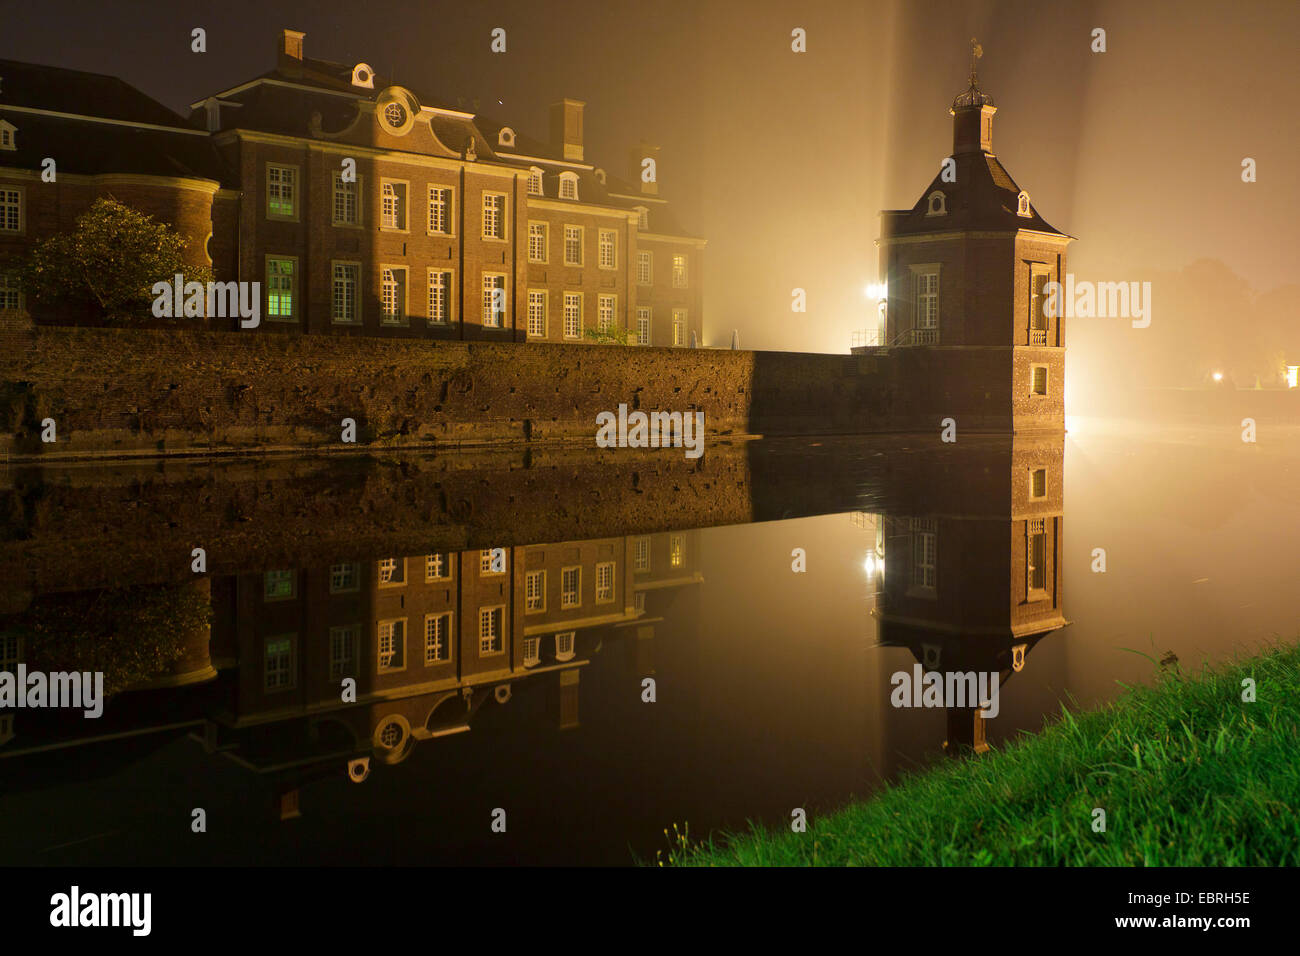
(1022, 205)
(568, 185)
(642, 217)
(506, 137)
(535, 182)
(937, 204)
(8, 135)
(363, 76)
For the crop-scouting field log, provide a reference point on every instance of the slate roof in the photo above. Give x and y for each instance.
(85, 146)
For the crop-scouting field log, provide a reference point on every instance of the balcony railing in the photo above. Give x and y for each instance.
(865, 338)
(870, 338)
(1038, 336)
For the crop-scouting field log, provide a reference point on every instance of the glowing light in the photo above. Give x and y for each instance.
(1218, 376)
(1292, 376)
(877, 290)
(870, 564)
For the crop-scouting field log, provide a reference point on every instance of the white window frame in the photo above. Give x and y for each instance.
(538, 297)
(676, 550)
(605, 591)
(449, 296)
(443, 561)
(535, 603)
(448, 212)
(535, 181)
(402, 318)
(491, 630)
(504, 223)
(606, 312)
(293, 188)
(572, 230)
(17, 202)
(681, 324)
(402, 210)
(571, 599)
(355, 311)
(571, 298)
(681, 271)
(443, 642)
(645, 267)
(293, 288)
(485, 562)
(347, 191)
(568, 186)
(398, 645)
(607, 242)
(532, 651)
(498, 320)
(544, 234)
(286, 663)
(564, 645)
(643, 324)
(337, 575)
(641, 554)
(397, 564)
(343, 665)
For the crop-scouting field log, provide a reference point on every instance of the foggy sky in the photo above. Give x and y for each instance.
(783, 161)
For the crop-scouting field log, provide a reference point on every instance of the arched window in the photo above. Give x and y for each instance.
(1022, 205)
(568, 185)
(534, 181)
(937, 204)
(506, 137)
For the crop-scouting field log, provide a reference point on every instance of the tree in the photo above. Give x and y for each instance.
(611, 336)
(108, 263)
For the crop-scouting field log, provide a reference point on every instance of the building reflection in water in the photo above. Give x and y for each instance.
(968, 571)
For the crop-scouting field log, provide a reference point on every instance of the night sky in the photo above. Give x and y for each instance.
(784, 160)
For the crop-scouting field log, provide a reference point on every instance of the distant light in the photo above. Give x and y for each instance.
(1292, 376)
(870, 564)
(876, 290)
(1218, 376)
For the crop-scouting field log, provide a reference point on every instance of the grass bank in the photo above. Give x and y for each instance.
(1187, 773)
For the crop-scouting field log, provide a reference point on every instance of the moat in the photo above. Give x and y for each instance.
(520, 683)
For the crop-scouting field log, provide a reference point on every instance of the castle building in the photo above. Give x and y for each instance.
(359, 205)
(966, 273)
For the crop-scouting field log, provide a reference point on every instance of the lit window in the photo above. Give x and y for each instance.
(440, 210)
(494, 216)
(606, 306)
(281, 191)
(278, 585)
(568, 185)
(489, 631)
(604, 582)
(278, 657)
(537, 313)
(535, 591)
(564, 646)
(11, 209)
(572, 315)
(280, 282)
(676, 550)
(492, 561)
(644, 267)
(679, 326)
(343, 654)
(344, 577)
(392, 208)
(680, 278)
(927, 306)
(347, 277)
(346, 208)
(392, 296)
(494, 300)
(573, 245)
(641, 554)
(924, 552)
(534, 181)
(437, 643)
(538, 241)
(570, 587)
(439, 297)
(643, 325)
(1036, 555)
(392, 645)
(608, 251)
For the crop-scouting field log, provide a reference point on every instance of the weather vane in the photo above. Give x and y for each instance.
(976, 51)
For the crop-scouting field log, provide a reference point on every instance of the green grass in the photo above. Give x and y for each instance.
(1188, 774)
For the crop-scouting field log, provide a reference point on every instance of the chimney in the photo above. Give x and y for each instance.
(289, 46)
(643, 173)
(566, 128)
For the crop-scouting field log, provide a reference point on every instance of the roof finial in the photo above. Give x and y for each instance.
(976, 51)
